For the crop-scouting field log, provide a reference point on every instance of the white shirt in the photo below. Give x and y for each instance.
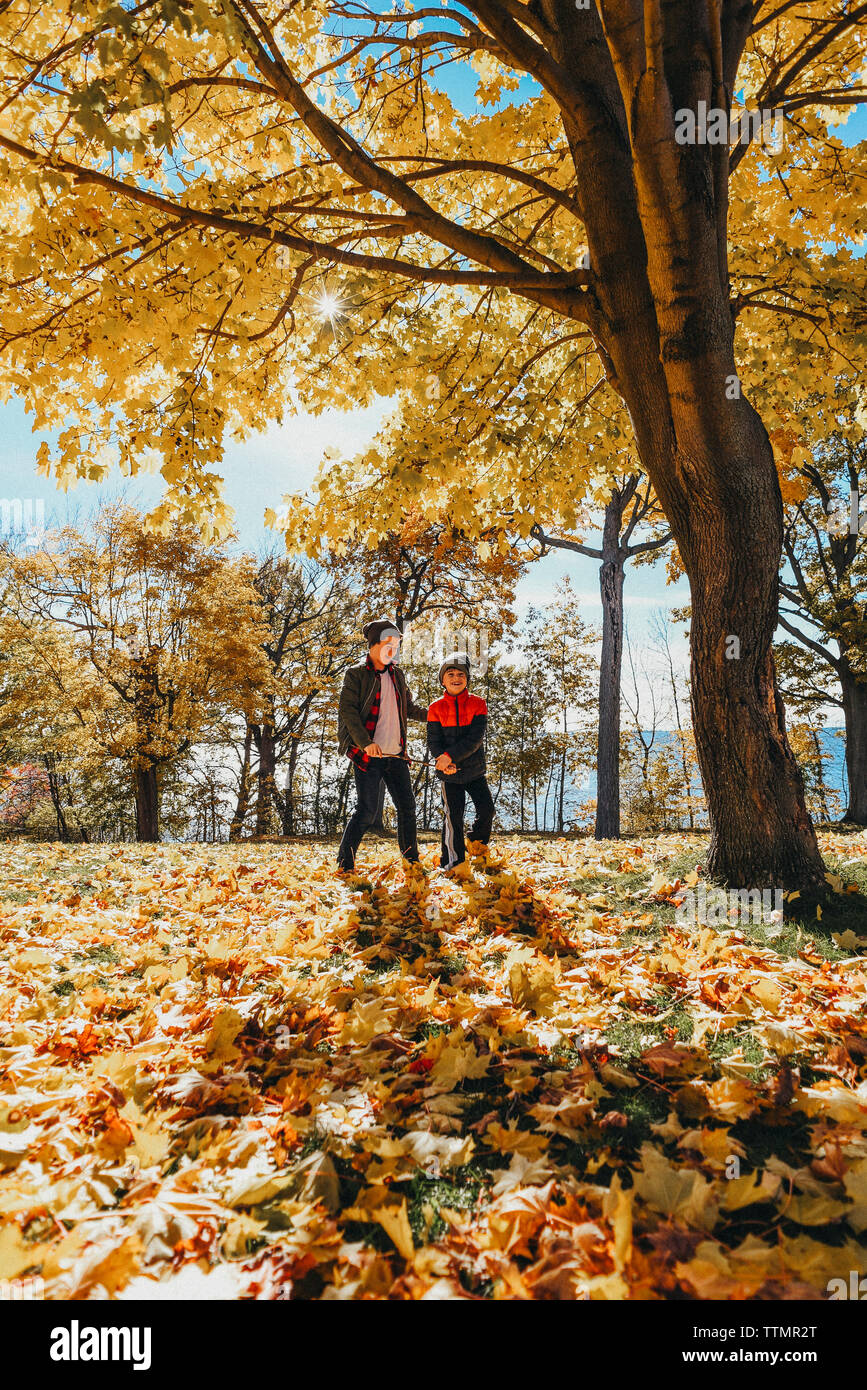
(387, 731)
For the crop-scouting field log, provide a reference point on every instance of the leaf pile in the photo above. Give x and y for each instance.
(228, 1074)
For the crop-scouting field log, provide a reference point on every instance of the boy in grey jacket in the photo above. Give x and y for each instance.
(375, 705)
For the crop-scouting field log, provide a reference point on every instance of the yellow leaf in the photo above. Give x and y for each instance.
(807, 1209)
(395, 1222)
(224, 1030)
(618, 1209)
(513, 1140)
(457, 1062)
(752, 1187)
(675, 1191)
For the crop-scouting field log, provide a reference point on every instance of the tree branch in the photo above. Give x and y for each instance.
(808, 642)
(526, 279)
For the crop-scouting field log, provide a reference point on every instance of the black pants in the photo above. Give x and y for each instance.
(454, 803)
(394, 772)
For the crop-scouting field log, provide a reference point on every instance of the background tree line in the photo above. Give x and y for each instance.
(155, 684)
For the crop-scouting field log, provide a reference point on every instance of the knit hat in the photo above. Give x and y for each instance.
(377, 629)
(460, 661)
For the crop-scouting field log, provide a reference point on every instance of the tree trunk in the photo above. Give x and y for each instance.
(146, 784)
(340, 815)
(561, 802)
(243, 802)
(287, 813)
(147, 804)
(317, 816)
(522, 780)
(267, 750)
(684, 766)
(655, 218)
(709, 458)
(821, 789)
(761, 833)
(608, 746)
(561, 798)
(552, 765)
(56, 800)
(716, 479)
(855, 715)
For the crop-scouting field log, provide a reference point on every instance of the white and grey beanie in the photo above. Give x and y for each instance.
(458, 660)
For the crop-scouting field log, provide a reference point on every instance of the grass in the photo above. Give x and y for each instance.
(100, 955)
(426, 1196)
(631, 1037)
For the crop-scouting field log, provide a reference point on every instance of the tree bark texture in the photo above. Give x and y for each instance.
(855, 716)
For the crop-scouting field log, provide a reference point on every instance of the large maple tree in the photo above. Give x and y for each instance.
(190, 185)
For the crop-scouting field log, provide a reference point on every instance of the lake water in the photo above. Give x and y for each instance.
(831, 742)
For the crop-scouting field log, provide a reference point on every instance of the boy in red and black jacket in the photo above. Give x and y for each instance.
(456, 728)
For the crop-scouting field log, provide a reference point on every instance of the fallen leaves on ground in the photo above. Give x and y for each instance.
(228, 1074)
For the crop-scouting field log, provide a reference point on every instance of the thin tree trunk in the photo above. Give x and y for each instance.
(146, 784)
(522, 783)
(288, 810)
(54, 790)
(318, 792)
(820, 776)
(243, 803)
(562, 795)
(608, 748)
(687, 781)
(534, 725)
(855, 715)
(340, 818)
(552, 763)
(64, 783)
